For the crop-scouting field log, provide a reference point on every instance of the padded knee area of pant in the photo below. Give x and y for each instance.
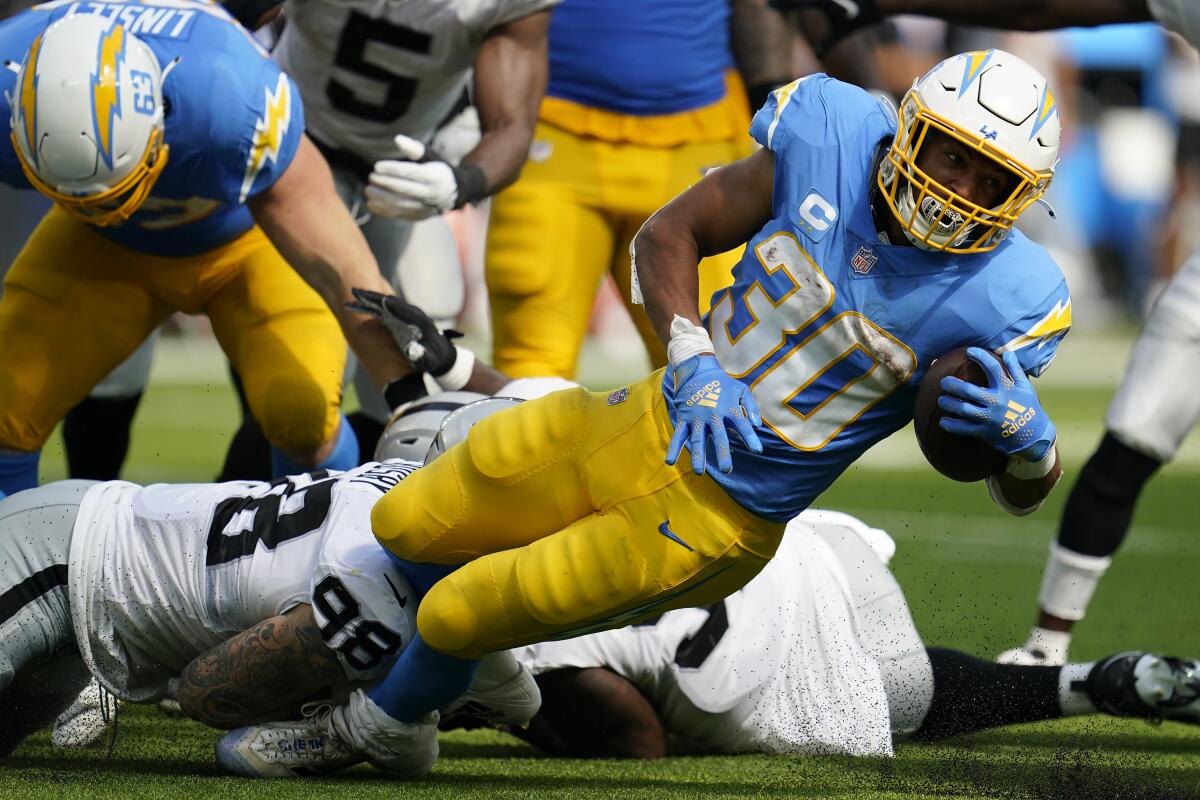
(295, 414)
(448, 621)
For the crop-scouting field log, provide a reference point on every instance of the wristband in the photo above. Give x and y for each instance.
(460, 371)
(1024, 470)
(405, 390)
(687, 339)
(472, 186)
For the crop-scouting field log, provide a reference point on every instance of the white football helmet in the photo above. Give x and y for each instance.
(994, 103)
(413, 427)
(87, 118)
(459, 422)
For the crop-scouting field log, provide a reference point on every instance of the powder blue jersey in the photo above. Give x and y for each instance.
(832, 329)
(233, 119)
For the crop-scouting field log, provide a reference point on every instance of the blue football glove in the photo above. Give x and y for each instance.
(1007, 414)
(706, 400)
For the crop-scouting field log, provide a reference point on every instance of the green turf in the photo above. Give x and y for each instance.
(971, 576)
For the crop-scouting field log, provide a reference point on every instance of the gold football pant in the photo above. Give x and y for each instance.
(75, 305)
(567, 222)
(570, 522)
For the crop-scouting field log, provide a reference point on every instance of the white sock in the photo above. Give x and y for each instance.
(1053, 644)
(1069, 582)
(1073, 702)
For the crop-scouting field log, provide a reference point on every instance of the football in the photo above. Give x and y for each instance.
(959, 458)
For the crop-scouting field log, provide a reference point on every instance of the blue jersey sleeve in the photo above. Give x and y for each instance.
(1035, 334)
(260, 142)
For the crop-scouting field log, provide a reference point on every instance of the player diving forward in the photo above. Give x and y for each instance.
(178, 186)
(818, 654)
(260, 597)
(873, 247)
(1156, 404)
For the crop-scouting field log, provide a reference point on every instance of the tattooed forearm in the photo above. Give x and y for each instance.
(263, 673)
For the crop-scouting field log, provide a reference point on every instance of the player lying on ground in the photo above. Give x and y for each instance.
(818, 654)
(874, 246)
(259, 597)
(1155, 405)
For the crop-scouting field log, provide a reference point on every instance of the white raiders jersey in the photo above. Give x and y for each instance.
(370, 69)
(777, 667)
(160, 574)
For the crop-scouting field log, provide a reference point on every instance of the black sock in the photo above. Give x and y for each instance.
(1100, 505)
(249, 455)
(96, 436)
(367, 431)
(970, 694)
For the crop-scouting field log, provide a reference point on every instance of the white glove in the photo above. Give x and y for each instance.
(406, 748)
(412, 188)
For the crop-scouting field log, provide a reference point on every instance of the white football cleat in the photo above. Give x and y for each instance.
(502, 693)
(403, 748)
(287, 749)
(330, 738)
(86, 720)
(1043, 648)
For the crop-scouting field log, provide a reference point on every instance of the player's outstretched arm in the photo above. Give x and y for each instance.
(511, 70)
(1027, 15)
(510, 78)
(310, 226)
(843, 17)
(263, 673)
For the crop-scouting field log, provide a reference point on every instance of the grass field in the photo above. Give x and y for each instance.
(970, 572)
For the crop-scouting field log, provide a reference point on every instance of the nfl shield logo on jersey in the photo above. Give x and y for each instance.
(618, 396)
(863, 260)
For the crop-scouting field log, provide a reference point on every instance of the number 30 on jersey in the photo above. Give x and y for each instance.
(812, 376)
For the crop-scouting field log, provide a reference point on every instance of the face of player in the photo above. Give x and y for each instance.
(966, 172)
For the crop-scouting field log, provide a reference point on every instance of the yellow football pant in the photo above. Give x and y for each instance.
(570, 522)
(568, 221)
(75, 305)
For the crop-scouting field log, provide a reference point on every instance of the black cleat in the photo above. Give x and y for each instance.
(1146, 685)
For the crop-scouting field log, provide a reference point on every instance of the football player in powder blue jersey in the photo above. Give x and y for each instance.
(881, 251)
(174, 152)
(875, 245)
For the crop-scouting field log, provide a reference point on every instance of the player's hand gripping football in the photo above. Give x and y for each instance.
(419, 185)
(1006, 414)
(425, 346)
(706, 400)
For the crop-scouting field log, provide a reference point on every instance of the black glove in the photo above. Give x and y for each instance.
(426, 348)
(844, 17)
